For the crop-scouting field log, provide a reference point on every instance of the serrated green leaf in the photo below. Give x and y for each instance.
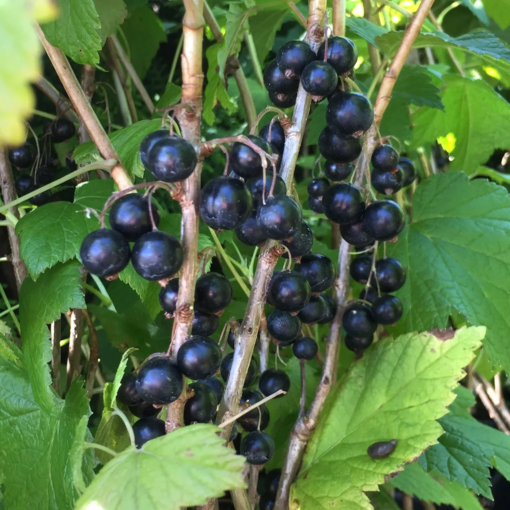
(397, 391)
(171, 96)
(76, 455)
(183, 468)
(365, 29)
(396, 121)
(457, 254)
(382, 500)
(415, 86)
(263, 27)
(93, 194)
(499, 11)
(112, 14)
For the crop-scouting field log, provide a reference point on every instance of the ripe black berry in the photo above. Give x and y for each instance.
(273, 481)
(283, 327)
(273, 380)
(225, 203)
(70, 162)
(314, 311)
(23, 184)
(216, 386)
(250, 420)
(172, 159)
(318, 270)
(358, 344)
(330, 309)
(146, 429)
(390, 274)
(226, 366)
(204, 324)
(356, 235)
(342, 54)
(289, 291)
(337, 171)
(305, 348)
(41, 198)
(283, 100)
(255, 186)
(199, 357)
(168, 296)
(387, 310)
(245, 161)
(22, 157)
(383, 219)
(201, 407)
(144, 410)
(317, 187)
(257, 447)
(338, 148)
(369, 294)
(266, 502)
(382, 449)
(385, 157)
(276, 82)
(159, 381)
(343, 203)
(293, 57)
(157, 255)
(43, 175)
(130, 216)
(358, 320)
(280, 218)
(277, 137)
(319, 79)
(360, 268)
(213, 293)
(409, 171)
(127, 393)
(349, 114)
(104, 252)
(301, 242)
(148, 143)
(250, 232)
(316, 204)
(61, 130)
(387, 181)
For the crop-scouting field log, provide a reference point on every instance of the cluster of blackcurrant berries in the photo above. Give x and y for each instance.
(390, 173)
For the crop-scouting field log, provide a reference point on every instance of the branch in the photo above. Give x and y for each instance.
(85, 111)
(339, 17)
(373, 52)
(75, 335)
(60, 101)
(88, 74)
(264, 342)
(94, 352)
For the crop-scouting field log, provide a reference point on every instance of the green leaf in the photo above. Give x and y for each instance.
(499, 11)
(171, 96)
(75, 31)
(183, 468)
(112, 14)
(93, 194)
(415, 86)
(316, 124)
(478, 117)
(396, 121)
(457, 255)
(365, 29)
(397, 391)
(382, 501)
(76, 454)
(263, 27)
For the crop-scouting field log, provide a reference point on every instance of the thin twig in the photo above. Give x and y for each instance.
(75, 336)
(373, 52)
(264, 342)
(302, 399)
(452, 56)
(496, 399)
(56, 336)
(60, 101)
(88, 74)
(94, 352)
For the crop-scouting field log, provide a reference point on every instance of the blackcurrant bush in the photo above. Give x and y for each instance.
(104, 252)
(305, 348)
(148, 143)
(316, 205)
(338, 148)
(349, 114)
(358, 344)
(360, 268)
(314, 311)
(383, 220)
(276, 137)
(390, 274)
(406, 165)
(204, 324)
(144, 410)
(157, 255)
(289, 291)
(201, 407)
(225, 203)
(356, 235)
(387, 181)
(250, 420)
(130, 216)
(146, 429)
(293, 57)
(337, 171)
(226, 366)
(250, 232)
(319, 79)
(273, 380)
(168, 296)
(301, 242)
(216, 386)
(387, 310)
(172, 159)
(318, 186)
(358, 320)
(255, 186)
(283, 100)
(22, 157)
(318, 270)
(330, 309)
(276, 82)
(369, 294)
(342, 54)
(280, 218)
(343, 203)
(385, 157)
(283, 327)
(159, 381)
(213, 293)
(257, 447)
(199, 357)
(127, 393)
(245, 161)
(61, 130)
(23, 184)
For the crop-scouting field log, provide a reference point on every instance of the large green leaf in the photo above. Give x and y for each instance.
(112, 14)
(183, 468)
(365, 29)
(457, 255)
(263, 27)
(415, 86)
(499, 11)
(397, 391)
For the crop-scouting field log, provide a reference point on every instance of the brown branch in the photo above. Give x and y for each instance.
(339, 17)
(94, 352)
(60, 101)
(88, 74)
(264, 342)
(252, 485)
(56, 336)
(75, 335)
(496, 399)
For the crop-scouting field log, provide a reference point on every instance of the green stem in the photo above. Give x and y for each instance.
(104, 292)
(129, 428)
(44, 114)
(248, 38)
(397, 8)
(377, 78)
(176, 59)
(96, 446)
(6, 223)
(353, 85)
(106, 301)
(9, 308)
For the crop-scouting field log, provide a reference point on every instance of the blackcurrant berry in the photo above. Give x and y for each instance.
(338, 148)
(213, 293)
(257, 447)
(168, 296)
(318, 270)
(250, 420)
(23, 185)
(226, 366)
(144, 410)
(148, 143)
(343, 203)
(387, 310)
(245, 161)
(44, 175)
(283, 100)
(358, 344)
(255, 186)
(385, 157)
(383, 220)
(316, 205)
(305, 348)
(250, 232)
(406, 165)
(314, 311)
(130, 216)
(41, 198)
(283, 327)
(204, 324)
(349, 114)
(225, 203)
(104, 252)
(356, 235)
(289, 291)
(127, 393)
(387, 181)
(157, 255)
(70, 162)
(276, 82)
(369, 294)
(216, 386)
(22, 157)
(266, 502)
(360, 268)
(172, 159)
(201, 407)
(337, 171)
(319, 79)
(301, 242)
(330, 309)
(146, 429)
(159, 381)
(358, 320)
(277, 136)
(342, 54)
(199, 357)
(280, 218)
(61, 130)
(317, 187)
(293, 57)
(273, 380)
(231, 339)
(273, 481)
(390, 274)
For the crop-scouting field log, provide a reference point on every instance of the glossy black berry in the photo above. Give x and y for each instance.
(201, 407)
(255, 186)
(316, 205)
(266, 502)
(387, 310)
(342, 54)
(356, 235)
(213, 293)
(144, 410)
(22, 157)
(289, 291)
(283, 326)
(385, 157)
(360, 268)
(44, 175)
(337, 171)
(369, 294)
(319, 78)
(130, 216)
(250, 232)
(277, 136)
(41, 198)
(225, 203)
(226, 365)
(245, 161)
(349, 114)
(318, 270)
(157, 255)
(283, 100)
(330, 309)
(199, 357)
(216, 386)
(168, 296)
(318, 186)
(146, 429)
(358, 320)
(406, 165)
(250, 420)
(387, 181)
(305, 348)
(273, 380)
(273, 481)
(104, 252)
(172, 159)
(343, 203)
(159, 381)
(390, 274)
(293, 57)
(257, 447)
(358, 344)
(301, 242)
(382, 449)
(231, 339)
(61, 130)
(148, 143)
(23, 185)
(204, 324)
(338, 148)
(275, 80)
(314, 311)
(127, 393)
(280, 218)
(383, 220)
